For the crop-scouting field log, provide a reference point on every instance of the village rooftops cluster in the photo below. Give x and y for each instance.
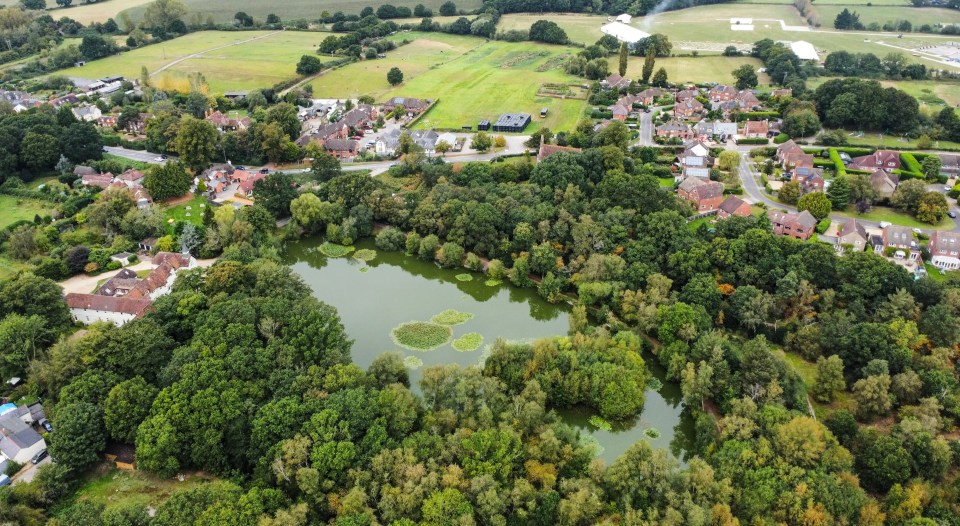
(131, 179)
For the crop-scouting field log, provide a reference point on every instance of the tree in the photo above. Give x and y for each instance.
(243, 19)
(20, 338)
(167, 181)
(395, 76)
(660, 78)
(829, 379)
(95, 46)
(285, 116)
(81, 142)
(481, 142)
(789, 193)
(446, 507)
(728, 160)
(801, 123)
(872, 395)
(908, 194)
(325, 167)
(816, 203)
(442, 147)
(161, 14)
(273, 19)
(624, 58)
(34, 4)
(80, 435)
(847, 20)
(448, 9)
(309, 65)
(275, 192)
(547, 31)
(27, 294)
(196, 143)
(39, 151)
(932, 208)
(127, 405)
(197, 105)
(648, 64)
(745, 77)
(930, 166)
(839, 192)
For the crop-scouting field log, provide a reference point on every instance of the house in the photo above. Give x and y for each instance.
(333, 130)
(650, 95)
(235, 95)
(851, 234)
(671, 129)
(699, 172)
(687, 94)
(342, 148)
(899, 240)
(512, 122)
(884, 182)
(747, 101)
(131, 176)
(706, 196)
(246, 187)
(886, 159)
(688, 109)
(722, 130)
(107, 121)
(620, 112)
(800, 226)
(125, 297)
(411, 105)
(98, 180)
(945, 250)
(86, 113)
(696, 148)
(733, 206)
(783, 92)
(18, 440)
(546, 150)
(810, 179)
(615, 81)
(788, 148)
(950, 164)
(756, 129)
(363, 116)
(121, 257)
(624, 18)
(226, 123)
(721, 93)
(425, 139)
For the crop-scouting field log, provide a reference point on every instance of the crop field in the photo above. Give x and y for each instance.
(96, 12)
(883, 14)
(290, 9)
(711, 68)
(228, 60)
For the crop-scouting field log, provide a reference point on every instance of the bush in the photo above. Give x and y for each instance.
(752, 140)
(113, 265)
(780, 139)
(822, 226)
(390, 239)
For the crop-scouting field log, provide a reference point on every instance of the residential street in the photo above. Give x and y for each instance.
(134, 155)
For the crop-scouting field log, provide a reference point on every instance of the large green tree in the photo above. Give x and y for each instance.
(126, 407)
(80, 435)
(816, 203)
(275, 192)
(167, 181)
(196, 143)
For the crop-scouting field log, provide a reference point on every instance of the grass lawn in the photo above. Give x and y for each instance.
(114, 487)
(472, 79)
(885, 13)
(666, 182)
(877, 140)
(256, 64)
(879, 213)
(291, 9)
(129, 163)
(13, 209)
(96, 12)
(704, 68)
(9, 267)
(179, 212)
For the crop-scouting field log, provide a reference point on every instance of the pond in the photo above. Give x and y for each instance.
(374, 297)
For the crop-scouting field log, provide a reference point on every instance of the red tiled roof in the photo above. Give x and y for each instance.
(125, 305)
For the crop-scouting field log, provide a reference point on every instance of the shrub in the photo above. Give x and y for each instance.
(780, 139)
(822, 226)
(391, 239)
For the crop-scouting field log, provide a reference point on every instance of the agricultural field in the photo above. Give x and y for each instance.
(850, 3)
(710, 68)
(228, 60)
(581, 28)
(290, 9)
(97, 12)
(884, 14)
(473, 79)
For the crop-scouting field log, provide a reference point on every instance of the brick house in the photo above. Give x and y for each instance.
(411, 105)
(945, 250)
(756, 129)
(900, 239)
(851, 234)
(800, 226)
(546, 150)
(884, 182)
(615, 81)
(689, 109)
(787, 148)
(620, 112)
(687, 94)
(671, 129)
(649, 96)
(341, 148)
(721, 93)
(886, 159)
(733, 206)
(810, 179)
(706, 196)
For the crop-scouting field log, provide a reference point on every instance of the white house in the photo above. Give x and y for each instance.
(18, 441)
(87, 113)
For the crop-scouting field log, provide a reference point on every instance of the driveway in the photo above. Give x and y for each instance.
(29, 471)
(84, 284)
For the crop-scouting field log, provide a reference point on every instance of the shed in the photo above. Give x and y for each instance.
(483, 125)
(512, 122)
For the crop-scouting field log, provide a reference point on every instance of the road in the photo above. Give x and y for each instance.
(142, 156)
(646, 129)
(753, 188)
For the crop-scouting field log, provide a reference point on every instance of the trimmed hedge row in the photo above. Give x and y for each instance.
(753, 140)
(838, 165)
(757, 115)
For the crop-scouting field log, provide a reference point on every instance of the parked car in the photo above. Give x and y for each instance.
(885, 224)
(38, 457)
(46, 425)
(951, 214)
(239, 167)
(4, 480)
(947, 188)
(264, 170)
(159, 159)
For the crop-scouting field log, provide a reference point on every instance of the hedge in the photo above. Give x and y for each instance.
(852, 152)
(837, 162)
(753, 140)
(910, 162)
(757, 116)
(822, 226)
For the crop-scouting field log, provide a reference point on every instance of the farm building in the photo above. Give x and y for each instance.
(512, 122)
(804, 50)
(623, 32)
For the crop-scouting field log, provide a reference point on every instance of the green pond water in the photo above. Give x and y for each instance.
(374, 297)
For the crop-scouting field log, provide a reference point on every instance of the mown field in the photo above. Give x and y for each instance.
(261, 60)
(290, 9)
(884, 13)
(97, 12)
(472, 78)
(712, 68)
(581, 28)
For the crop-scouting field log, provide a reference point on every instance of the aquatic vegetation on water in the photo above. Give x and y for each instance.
(598, 422)
(652, 432)
(452, 317)
(333, 250)
(365, 254)
(464, 277)
(654, 383)
(468, 342)
(493, 283)
(413, 362)
(421, 335)
(364, 269)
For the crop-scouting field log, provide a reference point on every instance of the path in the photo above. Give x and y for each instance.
(201, 53)
(84, 284)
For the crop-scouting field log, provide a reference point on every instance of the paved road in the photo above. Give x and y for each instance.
(29, 471)
(646, 129)
(134, 155)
